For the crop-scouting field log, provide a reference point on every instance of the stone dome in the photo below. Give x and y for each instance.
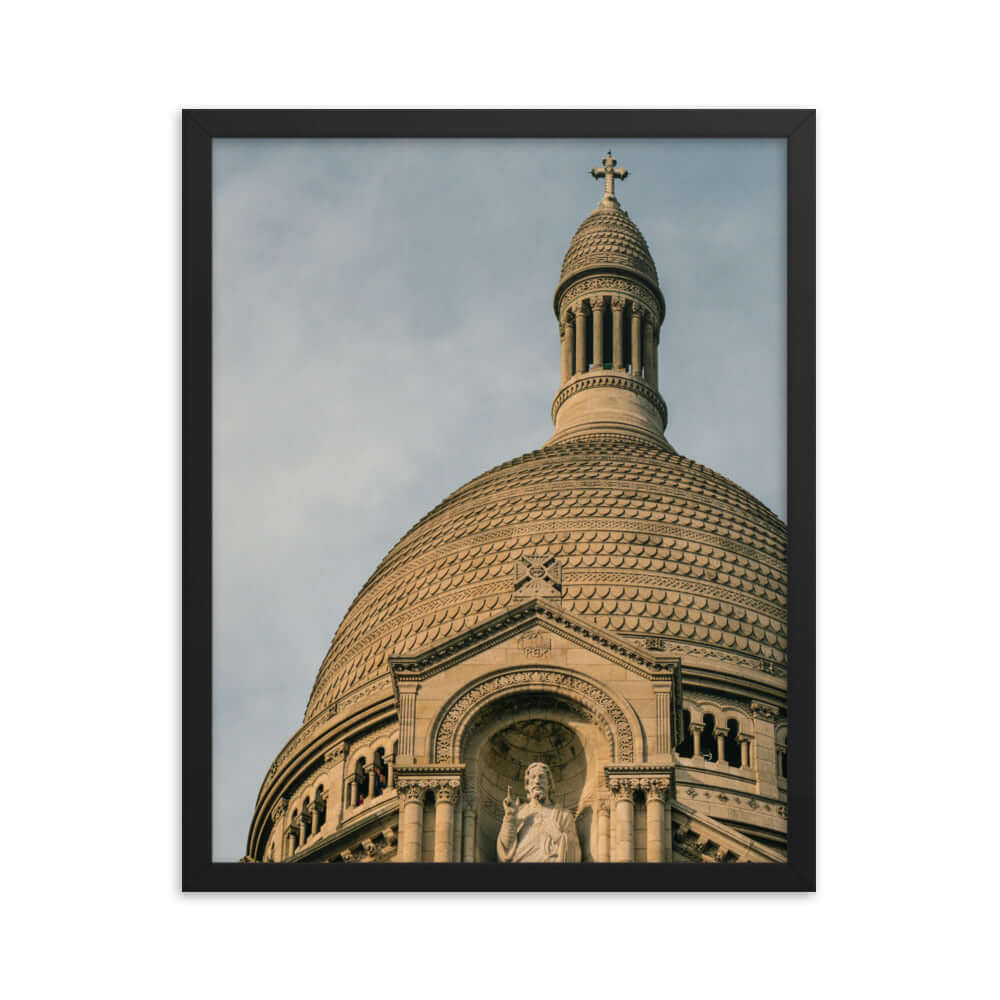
(608, 238)
(640, 540)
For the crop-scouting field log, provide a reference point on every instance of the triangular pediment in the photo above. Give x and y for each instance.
(530, 623)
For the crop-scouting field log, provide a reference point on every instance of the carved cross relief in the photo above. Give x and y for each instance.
(537, 576)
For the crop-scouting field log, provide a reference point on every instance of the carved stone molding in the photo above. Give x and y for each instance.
(535, 643)
(278, 809)
(610, 286)
(615, 380)
(618, 303)
(762, 710)
(572, 686)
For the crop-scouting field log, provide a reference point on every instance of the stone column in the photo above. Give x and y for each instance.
(279, 813)
(720, 743)
(314, 817)
(603, 852)
(697, 728)
(444, 818)
(289, 843)
(636, 348)
(618, 333)
(303, 828)
(624, 796)
(581, 338)
(352, 797)
(780, 761)
(370, 771)
(335, 758)
(566, 328)
(744, 750)
(469, 835)
(456, 840)
(411, 820)
(390, 776)
(764, 718)
(649, 352)
(656, 797)
(598, 309)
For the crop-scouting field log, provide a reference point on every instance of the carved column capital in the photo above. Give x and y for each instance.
(411, 791)
(597, 303)
(278, 809)
(335, 754)
(581, 308)
(655, 788)
(698, 727)
(618, 303)
(446, 790)
(762, 710)
(622, 789)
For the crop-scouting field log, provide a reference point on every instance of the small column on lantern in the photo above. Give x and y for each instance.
(636, 341)
(581, 337)
(648, 353)
(618, 333)
(598, 308)
(566, 338)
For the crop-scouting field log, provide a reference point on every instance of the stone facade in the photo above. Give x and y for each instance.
(601, 605)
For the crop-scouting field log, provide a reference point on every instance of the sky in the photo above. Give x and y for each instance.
(383, 333)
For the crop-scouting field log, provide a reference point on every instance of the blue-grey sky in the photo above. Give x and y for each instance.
(383, 332)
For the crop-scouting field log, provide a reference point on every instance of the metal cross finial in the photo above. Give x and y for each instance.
(609, 171)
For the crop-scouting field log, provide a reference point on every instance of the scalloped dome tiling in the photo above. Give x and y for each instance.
(608, 238)
(649, 544)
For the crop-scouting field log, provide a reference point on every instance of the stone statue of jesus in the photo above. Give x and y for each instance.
(537, 830)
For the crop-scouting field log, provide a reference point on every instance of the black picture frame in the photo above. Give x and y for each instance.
(199, 128)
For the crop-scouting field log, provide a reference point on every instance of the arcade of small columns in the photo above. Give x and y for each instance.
(458, 843)
(575, 331)
(697, 728)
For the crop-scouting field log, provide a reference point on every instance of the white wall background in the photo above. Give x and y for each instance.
(908, 216)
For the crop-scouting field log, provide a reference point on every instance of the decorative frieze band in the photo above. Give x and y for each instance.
(615, 380)
(608, 286)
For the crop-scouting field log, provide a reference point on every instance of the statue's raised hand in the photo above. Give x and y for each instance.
(510, 805)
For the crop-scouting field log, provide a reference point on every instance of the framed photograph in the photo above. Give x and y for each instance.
(498, 499)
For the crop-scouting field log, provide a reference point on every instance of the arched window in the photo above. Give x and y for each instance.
(686, 747)
(709, 744)
(733, 743)
(360, 781)
(320, 806)
(381, 775)
(783, 762)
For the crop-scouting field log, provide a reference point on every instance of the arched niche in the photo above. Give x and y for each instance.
(512, 732)
(613, 716)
